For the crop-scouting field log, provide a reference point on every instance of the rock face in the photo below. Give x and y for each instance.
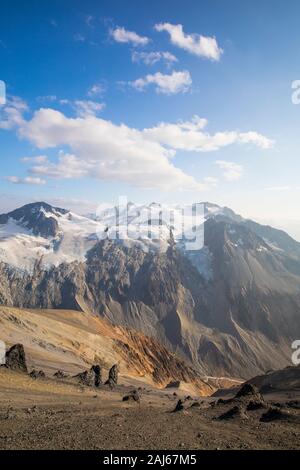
(113, 376)
(230, 308)
(16, 359)
(90, 378)
(247, 390)
(34, 218)
(98, 375)
(86, 378)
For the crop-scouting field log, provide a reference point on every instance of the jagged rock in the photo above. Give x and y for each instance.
(113, 376)
(273, 414)
(98, 375)
(16, 359)
(255, 405)
(61, 375)
(132, 396)
(235, 412)
(37, 374)
(90, 378)
(86, 378)
(179, 406)
(247, 390)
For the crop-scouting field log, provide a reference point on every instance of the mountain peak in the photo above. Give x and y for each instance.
(39, 217)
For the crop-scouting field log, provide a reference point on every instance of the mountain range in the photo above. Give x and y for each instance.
(230, 308)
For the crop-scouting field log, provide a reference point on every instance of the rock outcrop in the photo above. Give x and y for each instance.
(113, 376)
(16, 359)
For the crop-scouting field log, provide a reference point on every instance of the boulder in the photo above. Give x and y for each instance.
(179, 406)
(37, 374)
(132, 396)
(113, 376)
(61, 375)
(235, 412)
(86, 378)
(15, 358)
(246, 390)
(98, 375)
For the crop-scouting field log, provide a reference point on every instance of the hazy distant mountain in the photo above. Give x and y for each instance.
(231, 308)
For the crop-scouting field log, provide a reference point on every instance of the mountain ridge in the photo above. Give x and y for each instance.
(231, 308)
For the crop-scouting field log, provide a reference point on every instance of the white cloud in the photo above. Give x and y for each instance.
(27, 180)
(100, 149)
(120, 34)
(96, 90)
(190, 135)
(87, 107)
(37, 159)
(11, 115)
(255, 138)
(176, 82)
(231, 171)
(151, 58)
(202, 46)
(84, 108)
(103, 150)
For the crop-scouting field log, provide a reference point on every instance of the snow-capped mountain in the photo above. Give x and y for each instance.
(230, 307)
(40, 233)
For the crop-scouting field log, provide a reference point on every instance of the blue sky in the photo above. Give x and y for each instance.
(100, 96)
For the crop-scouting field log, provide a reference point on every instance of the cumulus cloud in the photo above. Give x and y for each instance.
(231, 171)
(151, 58)
(191, 136)
(202, 46)
(103, 150)
(11, 115)
(26, 180)
(121, 34)
(168, 84)
(98, 148)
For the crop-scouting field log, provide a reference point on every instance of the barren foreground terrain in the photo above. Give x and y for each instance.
(53, 414)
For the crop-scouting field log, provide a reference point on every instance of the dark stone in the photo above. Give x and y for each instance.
(86, 378)
(235, 412)
(15, 358)
(247, 390)
(61, 375)
(255, 405)
(132, 396)
(113, 376)
(98, 375)
(179, 406)
(196, 404)
(37, 374)
(273, 414)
